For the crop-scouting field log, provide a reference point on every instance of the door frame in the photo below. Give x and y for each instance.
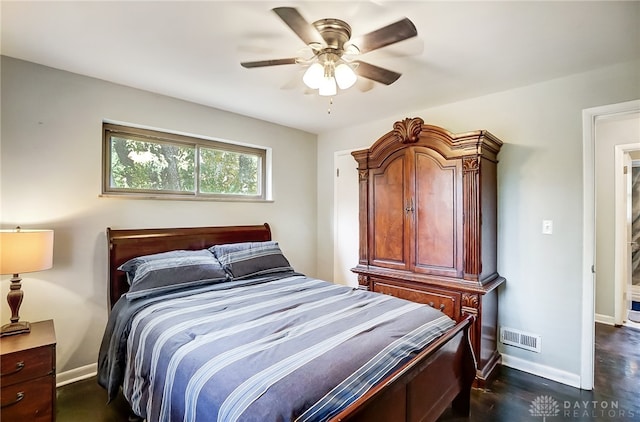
(589, 117)
(621, 249)
(635, 289)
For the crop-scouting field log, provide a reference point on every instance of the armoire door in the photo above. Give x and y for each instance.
(436, 227)
(388, 214)
(416, 217)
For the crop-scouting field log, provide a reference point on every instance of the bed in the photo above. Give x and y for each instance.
(268, 344)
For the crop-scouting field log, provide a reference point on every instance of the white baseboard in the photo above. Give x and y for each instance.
(544, 371)
(77, 374)
(605, 319)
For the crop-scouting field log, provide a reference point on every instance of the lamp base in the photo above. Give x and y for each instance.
(15, 328)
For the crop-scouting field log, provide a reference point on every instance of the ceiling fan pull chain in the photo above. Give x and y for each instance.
(330, 104)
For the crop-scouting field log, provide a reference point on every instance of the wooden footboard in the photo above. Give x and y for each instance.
(425, 387)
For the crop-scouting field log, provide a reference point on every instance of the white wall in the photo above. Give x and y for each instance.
(51, 173)
(539, 177)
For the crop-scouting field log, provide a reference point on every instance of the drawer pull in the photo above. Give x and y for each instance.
(19, 367)
(19, 396)
(442, 306)
(431, 304)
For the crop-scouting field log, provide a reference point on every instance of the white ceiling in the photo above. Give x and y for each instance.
(192, 50)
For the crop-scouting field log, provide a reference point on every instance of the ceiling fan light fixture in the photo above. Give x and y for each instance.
(328, 87)
(313, 76)
(345, 76)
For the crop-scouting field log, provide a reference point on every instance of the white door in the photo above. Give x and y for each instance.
(346, 203)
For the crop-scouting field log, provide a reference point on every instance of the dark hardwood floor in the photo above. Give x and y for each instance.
(511, 397)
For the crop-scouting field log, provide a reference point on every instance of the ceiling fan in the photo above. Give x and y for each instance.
(333, 53)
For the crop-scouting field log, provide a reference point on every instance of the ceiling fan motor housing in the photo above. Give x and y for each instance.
(335, 32)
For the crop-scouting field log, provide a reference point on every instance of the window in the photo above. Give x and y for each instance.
(150, 163)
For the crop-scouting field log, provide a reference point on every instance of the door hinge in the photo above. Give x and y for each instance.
(625, 170)
(338, 172)
(593, 269)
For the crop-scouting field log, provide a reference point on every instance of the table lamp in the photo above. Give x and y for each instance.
(22, 251)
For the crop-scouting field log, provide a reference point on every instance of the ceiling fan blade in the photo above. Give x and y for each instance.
(303, 29)
(274, 62)
(376, 73)
(390, 34)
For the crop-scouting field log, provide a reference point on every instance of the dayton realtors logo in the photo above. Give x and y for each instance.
(547, 406)
(544, 406)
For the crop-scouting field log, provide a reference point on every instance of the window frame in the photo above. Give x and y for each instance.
(169, 138)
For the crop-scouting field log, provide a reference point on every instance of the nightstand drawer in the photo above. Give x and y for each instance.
(443, 301)
(28, 401)
(26, 365)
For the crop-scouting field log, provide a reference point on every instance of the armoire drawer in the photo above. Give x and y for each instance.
(447, 302)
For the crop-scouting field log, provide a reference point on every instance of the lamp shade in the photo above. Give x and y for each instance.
(328, 87)
(345, 76)
(313, 76)
(24, 251)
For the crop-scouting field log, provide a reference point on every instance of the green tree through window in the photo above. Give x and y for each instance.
(140, 161)
(140, 165)
(228, 172)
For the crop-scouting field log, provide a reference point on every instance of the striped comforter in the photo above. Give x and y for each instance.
(274, 349)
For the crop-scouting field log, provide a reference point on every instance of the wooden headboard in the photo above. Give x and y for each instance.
(126, 244)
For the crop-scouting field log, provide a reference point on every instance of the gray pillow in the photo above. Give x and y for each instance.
(168, 271)
(242, 260)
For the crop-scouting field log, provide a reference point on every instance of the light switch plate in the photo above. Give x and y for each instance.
(547, 226)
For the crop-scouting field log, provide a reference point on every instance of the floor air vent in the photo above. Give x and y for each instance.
(520, 339)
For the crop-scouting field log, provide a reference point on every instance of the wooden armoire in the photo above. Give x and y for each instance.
(428, 225)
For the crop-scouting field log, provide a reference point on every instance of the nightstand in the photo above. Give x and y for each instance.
(28, 374)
